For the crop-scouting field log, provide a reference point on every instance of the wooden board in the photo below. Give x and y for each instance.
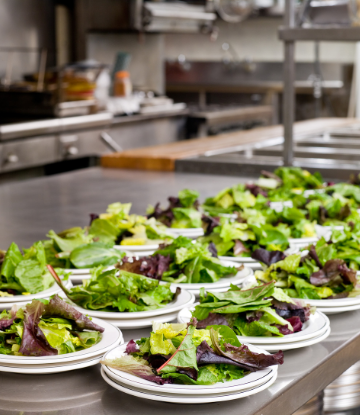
(163, 157)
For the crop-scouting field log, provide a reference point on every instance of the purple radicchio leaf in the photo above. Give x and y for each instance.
(284, 330)
(332, 269)
(150, 266)
(59, 308)
(6, 322)
(239, 248)
(253, 316)
(212, 249)
(157, 360)
(188, 371)
(313, 254)
(267, 257)
(251, 360)
(33, 342)
(213, 319)
(136, 367)
(93, 216)
(296, 323)
(288, 310)
(210, 223)
(205, 355)
(256, 190)
(131, 347)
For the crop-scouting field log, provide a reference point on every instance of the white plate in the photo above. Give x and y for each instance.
(249, 260)
(187, 400)
(189, 233)
(316, 325)
(335, 302)
(44, 369)
(185, 299)
(111, 337)
(140, 323)
(303, 241)
(137, 248)
(251, 380)
(182, 390)
(337, 310)
(54, 289)
(296, 345)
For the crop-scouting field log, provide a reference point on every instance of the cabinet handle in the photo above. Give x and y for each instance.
(111, 143)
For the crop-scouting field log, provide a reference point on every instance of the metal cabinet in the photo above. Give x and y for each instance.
(81, 144)
(16, 155)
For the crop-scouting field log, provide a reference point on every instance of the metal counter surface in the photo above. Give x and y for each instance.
(29, 209)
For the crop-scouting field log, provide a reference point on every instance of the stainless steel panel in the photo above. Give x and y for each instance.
(86, 143)
(28, 129)
(28, 153)
(29, 209)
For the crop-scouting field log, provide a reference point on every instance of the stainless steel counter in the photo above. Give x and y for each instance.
(29, 209)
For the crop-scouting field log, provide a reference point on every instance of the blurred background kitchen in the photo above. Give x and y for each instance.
(80, 78)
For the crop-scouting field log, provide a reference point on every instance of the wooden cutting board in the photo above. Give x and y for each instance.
(163, 157)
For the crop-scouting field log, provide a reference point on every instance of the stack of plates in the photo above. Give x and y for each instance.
(191, 233)
(252, 263)
(220, 286)
(111, 338)
(336, 305)
(187, 394)
(315, 330)
(141, 319)
(21, 300)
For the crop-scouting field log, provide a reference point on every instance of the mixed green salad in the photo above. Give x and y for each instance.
(344, 245)
(240, 239)
(180, 353)
(78, 248)
(46, 328)
(117, 226)
(316, 275)
(180, 262)
(182, 212)
(263, 310)
(22, 274)
(118, 291)
(235, 199)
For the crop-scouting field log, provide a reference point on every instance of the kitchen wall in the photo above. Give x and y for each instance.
(147, 53)
(255, 39)
(26, 24)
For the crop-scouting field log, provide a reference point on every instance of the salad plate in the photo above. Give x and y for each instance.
(337, 310)
(316, 325)
(190, 233)
(335, 302)
(111, 337)
(303, 241)
(187, 399)
(140, 323)
(47, 369)
(297, 345)
(54, 289)
(137, 248)
(184, 299)
(182, 390)
(251, 380)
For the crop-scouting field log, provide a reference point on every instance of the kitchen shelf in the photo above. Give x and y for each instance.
(319, 34)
